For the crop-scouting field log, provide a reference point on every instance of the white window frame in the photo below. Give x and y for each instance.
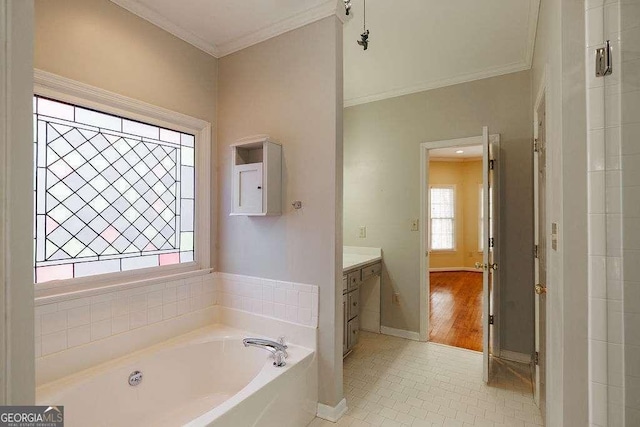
(66, 90)
(455, 195)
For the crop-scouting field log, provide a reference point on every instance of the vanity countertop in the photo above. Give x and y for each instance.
(354, 257)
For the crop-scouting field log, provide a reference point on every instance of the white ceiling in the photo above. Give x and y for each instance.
(415, 45)
(449, 153)
(221, 27)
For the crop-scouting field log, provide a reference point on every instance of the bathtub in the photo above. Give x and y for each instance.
(203, 378)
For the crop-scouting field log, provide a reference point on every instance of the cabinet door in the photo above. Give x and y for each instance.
(354, 332)
(247, 188)
(345, 329)
(354, 303)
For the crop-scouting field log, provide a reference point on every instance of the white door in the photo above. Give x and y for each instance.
(491, 220)
(247, 187)
(540, 288)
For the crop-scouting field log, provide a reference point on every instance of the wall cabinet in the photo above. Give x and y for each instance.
(257, 177)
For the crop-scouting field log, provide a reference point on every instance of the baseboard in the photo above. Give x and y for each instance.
(401, 333)
(439, 269)
(332, 413)
(514, 356)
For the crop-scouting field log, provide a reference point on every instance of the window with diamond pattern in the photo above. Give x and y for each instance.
(111, 194)
(442, 218)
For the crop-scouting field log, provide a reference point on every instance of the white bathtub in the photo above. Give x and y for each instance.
(203, 378)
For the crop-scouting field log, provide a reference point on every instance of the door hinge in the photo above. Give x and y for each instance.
(492, 164)
(536, 358)
(535, 251)
(491, 243)
(604, 60)
(536, 145)
(491, 319)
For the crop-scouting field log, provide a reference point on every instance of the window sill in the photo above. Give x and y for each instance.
(49, 293)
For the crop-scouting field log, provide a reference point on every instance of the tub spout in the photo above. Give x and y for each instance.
(277, 349)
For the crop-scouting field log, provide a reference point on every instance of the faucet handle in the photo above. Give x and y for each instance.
(281, 341)
(279, 358)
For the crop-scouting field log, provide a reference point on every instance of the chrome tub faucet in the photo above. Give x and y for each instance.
(277, 349)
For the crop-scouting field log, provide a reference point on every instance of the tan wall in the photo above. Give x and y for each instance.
(466, 177)
(382, 188)
(290, 87)
(99, 43)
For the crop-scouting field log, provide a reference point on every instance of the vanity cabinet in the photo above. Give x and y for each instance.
(257, 177)
(352, 282)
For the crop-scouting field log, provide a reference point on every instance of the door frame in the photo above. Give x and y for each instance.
(424, 208)
(541, 98)
(17, 355)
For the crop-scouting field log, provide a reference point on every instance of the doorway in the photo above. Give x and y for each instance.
(488, 220)
(455, 245)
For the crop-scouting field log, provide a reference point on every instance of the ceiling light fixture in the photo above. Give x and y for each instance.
(364, 37)
(347, 6)
(459, 152)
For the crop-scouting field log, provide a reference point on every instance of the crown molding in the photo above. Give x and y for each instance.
(421, 87)
(328, 8)
(161, 21)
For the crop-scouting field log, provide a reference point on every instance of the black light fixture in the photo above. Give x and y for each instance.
(364, 37)
(347, 6)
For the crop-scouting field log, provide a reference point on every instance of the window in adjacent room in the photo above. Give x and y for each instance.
(111, 194)
(442, 202)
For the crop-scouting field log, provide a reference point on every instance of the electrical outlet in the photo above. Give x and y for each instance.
(363, 232)
(415, 224)
(396, 298)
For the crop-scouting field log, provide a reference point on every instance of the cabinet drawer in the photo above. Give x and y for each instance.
(354, 279)
(354, 332)
(354, 303)
(345, 284)
(371, 270)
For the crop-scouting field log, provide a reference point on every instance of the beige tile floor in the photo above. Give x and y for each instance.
(391, 381)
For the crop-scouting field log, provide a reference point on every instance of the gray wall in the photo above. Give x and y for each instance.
(17, 370)
(558, 64)
(290, 87)
(382, 188)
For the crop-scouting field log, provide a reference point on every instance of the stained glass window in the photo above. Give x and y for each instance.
(111, 194)
(442, 218)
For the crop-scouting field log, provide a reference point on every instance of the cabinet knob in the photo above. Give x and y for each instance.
(259, 188)
(355, 304)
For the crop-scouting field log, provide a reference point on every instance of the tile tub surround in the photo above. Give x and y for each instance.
(73, 322)
(291, 302)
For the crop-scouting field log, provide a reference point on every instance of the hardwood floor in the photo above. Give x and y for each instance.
(455, 307)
